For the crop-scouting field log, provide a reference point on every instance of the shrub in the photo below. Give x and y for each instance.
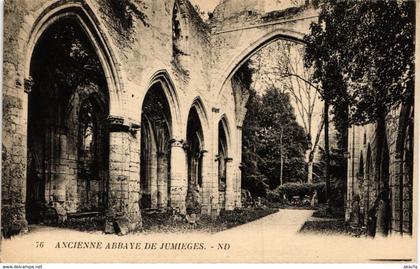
(300, 189)
(274, 196)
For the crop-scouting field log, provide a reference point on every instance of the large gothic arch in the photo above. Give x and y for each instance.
(80, 11)
(163, 79)
(244, 54)
(61, 195)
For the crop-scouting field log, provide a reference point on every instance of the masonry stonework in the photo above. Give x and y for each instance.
(170, 48)
(141, 50)
(363, 189)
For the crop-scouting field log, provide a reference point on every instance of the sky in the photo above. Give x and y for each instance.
(269, 5)
(209, 5)
(206, 5)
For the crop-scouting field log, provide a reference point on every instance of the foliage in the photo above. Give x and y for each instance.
(273, 196)
(328, 213)
(70, 58)
(169, 222)
(281, 65)
(369, 72)
(373, 68)
(123, 14)
(270, 132)
(300, 189)
(240, 216)
(330, 227)
(338, 173)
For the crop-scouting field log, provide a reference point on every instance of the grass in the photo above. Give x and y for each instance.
(333, 213)
(90, 224)
(168, 223)
(331, 227)
(330, 222)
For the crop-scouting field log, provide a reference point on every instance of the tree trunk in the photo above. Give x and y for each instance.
(281, 156)
(327, 152)
(312, 152)
(310, 169)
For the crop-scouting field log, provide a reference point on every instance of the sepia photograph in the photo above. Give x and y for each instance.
(209, 131)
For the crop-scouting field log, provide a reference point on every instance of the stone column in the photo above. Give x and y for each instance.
(162, 180)
(123, 205)
(61, 178)
(134, 213)
(238, 186)
(178, 176)
(14, 150)
(206, 187)
(153, 187)
(230, 191)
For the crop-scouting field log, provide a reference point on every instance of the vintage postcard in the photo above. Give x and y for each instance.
(257, 131)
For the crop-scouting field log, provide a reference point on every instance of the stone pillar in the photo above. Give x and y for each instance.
(153, 187)
(162, 180)
(214, 197)
(230, 191)
(61, 178)
(134, 213)
(178, 176)
(123, 193)
(238, 187)
(206, 187)
(14, 150)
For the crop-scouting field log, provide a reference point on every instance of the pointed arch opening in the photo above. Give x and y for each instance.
(195, 142)
(67, 132)
(222, 160)
(156, 132)
(180, 36)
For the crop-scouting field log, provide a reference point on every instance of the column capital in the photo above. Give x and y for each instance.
(28, 84)
(117, 124)
(178, 143)
(201, 153)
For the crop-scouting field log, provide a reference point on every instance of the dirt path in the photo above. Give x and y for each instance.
(272, 238)
(287, 222)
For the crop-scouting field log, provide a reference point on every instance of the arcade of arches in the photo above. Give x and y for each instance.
(110, 114)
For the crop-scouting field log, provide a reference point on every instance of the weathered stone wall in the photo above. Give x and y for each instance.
(135, 45)
(366, 187)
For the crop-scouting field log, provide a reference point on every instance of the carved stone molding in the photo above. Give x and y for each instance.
(180, 143)
(228, 159)
(116, 124)
(28, 84)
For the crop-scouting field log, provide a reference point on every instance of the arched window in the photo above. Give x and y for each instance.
(87, 157)
(88, 127)
(222, 157)
(87, 139)
(180, 37)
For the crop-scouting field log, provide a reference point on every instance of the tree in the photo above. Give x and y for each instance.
(284, 69)
(369, 72)
(252, 179)
(271, 136)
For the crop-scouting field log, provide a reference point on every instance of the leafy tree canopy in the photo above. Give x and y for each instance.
(363, 54)
(270, 132)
